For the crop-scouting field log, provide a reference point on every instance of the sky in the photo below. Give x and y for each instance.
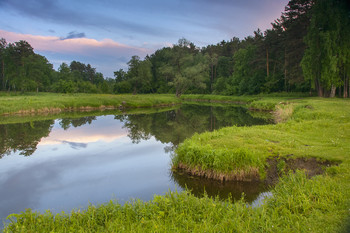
(106, 33)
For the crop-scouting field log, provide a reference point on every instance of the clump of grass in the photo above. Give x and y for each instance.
(197, 153)
(283, 112)
(281, 166)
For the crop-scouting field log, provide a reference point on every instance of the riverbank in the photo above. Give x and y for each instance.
(309, 128)
(46, 103)
(43, 103)
(306, 128)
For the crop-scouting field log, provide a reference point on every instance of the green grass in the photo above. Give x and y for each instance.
(313, 127)
(317, 128)
(52, 102)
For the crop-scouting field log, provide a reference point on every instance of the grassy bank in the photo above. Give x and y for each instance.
(318, 128)
(309, 127)
(32, 103)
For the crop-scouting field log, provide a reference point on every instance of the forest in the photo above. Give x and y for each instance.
(306, 50)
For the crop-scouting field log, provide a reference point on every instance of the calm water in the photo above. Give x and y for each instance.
(66, 164)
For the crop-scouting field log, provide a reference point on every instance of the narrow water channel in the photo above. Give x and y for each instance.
(67, 163)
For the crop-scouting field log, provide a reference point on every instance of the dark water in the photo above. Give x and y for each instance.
(66, 164)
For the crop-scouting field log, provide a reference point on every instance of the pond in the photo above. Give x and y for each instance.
(67, 163)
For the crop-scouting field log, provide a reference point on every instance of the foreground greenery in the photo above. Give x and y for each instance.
(308, 127)
(298, 205)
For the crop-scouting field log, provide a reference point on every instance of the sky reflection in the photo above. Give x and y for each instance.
(71, 162)
(92, 163)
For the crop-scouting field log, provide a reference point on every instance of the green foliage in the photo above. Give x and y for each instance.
(246, 80)
(64, 86)
(187, 69)
(23, 70)
(326, 58)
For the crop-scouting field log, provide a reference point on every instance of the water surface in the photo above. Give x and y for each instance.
(66, 164)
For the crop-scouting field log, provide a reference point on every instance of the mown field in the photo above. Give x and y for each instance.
(305, 128)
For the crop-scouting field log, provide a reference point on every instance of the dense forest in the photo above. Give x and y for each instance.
(306, 50)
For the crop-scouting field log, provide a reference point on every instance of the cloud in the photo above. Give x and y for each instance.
(106, 55)
(76, 45)
(73, 35)
(69, 13)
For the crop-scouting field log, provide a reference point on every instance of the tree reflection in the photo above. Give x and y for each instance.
(23, 137)
(213, 188)
(76, 122)
(176, 125)
(170, 127)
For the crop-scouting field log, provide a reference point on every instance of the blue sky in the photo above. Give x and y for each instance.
(106, 33)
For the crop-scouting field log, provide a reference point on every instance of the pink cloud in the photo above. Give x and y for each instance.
(81, 46)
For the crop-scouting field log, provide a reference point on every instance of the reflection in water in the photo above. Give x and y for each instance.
(215, 188)
(71, 162)
(177, 125)
(76, 122)
(23, 137)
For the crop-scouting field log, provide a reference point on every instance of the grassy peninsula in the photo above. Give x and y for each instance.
(305, 128)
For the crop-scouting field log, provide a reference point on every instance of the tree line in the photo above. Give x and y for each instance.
(23, 70)
(306, 50)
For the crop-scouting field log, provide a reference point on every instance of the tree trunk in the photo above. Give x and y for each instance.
(318, 88)
(178, 93)
(211, 78)
(214, 72)
(267, 63)
(346, 84)
(135, 88)
(285, 69)
(3, 74)
(332, 93)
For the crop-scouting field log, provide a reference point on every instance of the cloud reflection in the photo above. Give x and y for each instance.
(76, 145)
